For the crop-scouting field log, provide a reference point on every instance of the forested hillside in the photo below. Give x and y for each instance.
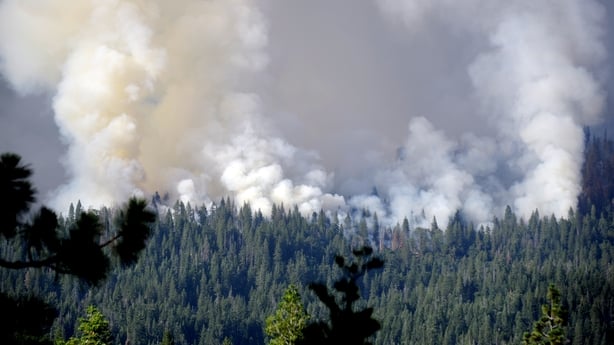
(214, 274)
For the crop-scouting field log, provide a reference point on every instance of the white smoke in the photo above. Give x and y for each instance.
(536, 84)
(148, 96)
(160, 96)
(539, 69)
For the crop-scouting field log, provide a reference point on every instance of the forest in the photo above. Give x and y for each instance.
(212, 275)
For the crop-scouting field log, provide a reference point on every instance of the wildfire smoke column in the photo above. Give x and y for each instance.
(150, 95)
(535, 80)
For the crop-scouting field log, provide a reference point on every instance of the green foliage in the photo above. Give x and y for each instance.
(93, 330)
(216, 272)
(82, 252)
(78, 249)
(550, 328)
(346, 325)
(286, 325)
(210, 273)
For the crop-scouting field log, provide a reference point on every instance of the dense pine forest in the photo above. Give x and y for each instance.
(213, 274)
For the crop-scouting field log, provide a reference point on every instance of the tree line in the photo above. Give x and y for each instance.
(209, 274)
(212, 275)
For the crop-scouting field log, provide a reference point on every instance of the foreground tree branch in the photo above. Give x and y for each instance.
(80, 253)
(39, 242)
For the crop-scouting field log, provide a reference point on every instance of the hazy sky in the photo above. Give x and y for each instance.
(342, 81)
(29, 130)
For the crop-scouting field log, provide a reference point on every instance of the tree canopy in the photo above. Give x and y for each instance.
(39, 242)
(213, 273)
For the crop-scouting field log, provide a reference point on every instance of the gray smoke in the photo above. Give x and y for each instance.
(318, 103)
(535, 86)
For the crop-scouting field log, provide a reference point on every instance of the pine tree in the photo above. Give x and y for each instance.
(81, 253)
(93, 329)
(550, 328)
(286, 326)
(39, 242)
(346, 326)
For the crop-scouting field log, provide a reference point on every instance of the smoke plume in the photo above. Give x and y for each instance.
(149, 97)
(535, 85)
(193, 98)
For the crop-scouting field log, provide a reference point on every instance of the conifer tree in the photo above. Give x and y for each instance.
(286, 326)
(93, 329)
(346, 325)
(550, 328)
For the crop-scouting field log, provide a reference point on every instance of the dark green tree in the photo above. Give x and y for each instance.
(82, 251)
(346, 325)
(85, 251)
(550, 328)
(286, 325)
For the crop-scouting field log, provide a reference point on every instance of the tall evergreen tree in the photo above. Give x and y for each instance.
(550, 328)
(93, 329)
(286, 325)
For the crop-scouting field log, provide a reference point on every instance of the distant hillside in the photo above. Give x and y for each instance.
(210, 274)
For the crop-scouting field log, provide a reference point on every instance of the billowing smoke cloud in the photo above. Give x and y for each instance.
(539, 71)
(535, 83)
(176, 97)
(149, 96)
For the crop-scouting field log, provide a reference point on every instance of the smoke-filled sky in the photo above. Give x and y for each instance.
(408, 107)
